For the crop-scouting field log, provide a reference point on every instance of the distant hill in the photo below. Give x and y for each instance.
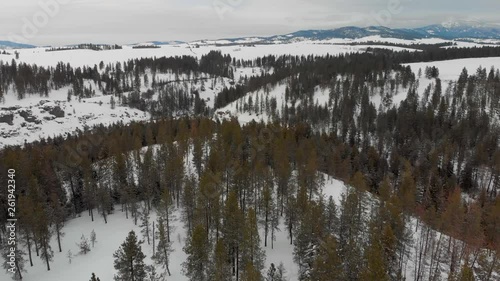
(450, 31)
(14, 45)
(447, 30)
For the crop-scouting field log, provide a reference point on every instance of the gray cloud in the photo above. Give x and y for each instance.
(128, 21)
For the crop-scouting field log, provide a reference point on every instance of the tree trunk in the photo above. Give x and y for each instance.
(45, 250)
(153, 238)
(58, 230)
(490, 271)
(28, 242)
(132, 269)
(36, 247)
(166, 262)
(19, 270)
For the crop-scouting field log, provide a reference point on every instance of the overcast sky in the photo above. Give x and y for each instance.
(52, 22)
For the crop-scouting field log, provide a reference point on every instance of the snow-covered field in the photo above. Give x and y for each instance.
(451, 69)
(90, 58)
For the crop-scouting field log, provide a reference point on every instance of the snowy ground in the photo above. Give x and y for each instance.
(110, 236)
(89, 57)
(77, 115)
(451, 69)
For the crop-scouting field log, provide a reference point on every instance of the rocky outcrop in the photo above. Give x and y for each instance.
(56, 111)
(28, 116)
(7, 118)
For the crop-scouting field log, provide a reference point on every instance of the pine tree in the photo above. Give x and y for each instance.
(152, 275)
(327, 264)
(231, 229)
(281, 273)
(43, 234)
(104, 200)
(196, 248)
(145, 224)
(69, 255)
(164, 248)
(251, 251)
(93, 238)
(165, 209)
(250, 273)
(112, 101)
(291, 218)
(84, 245)
(220, 269)
(189, 202)
(308, 237)
(466, 274)
(94, 278)
(267, 209)
(57, 216)
(14, 261)
(129, 260)
(331, 217)
(376, 268)
(275, 223)
(271, 273)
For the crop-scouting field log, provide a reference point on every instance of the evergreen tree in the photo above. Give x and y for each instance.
(220, 269)
(165, 210)
(251, 251)
(327, 265)
(164, 248)
(466, 274)
(57, 216)
(93, 238)
(14, 262)
(129, 260)
(250, 273)
(94, 278)
(376, 268)
(231, 229)
(196, 248)
(280, 273)
(152, 275)
(145, 224)
(84, 245)
(271, 273)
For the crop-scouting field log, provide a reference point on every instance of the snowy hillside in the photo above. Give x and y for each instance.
(34, 118)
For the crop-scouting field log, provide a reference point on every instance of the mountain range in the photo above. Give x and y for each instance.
(14, 45)
(447, 30)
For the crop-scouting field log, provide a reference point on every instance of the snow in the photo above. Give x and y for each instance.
(110, 236)
(451, 69)
(100, 259)
(378, 38)
(334, 188)
(92, 112)
(78, 115)
(79, 58)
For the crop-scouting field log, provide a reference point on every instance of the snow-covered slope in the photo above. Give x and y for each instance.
(110, 236)
(35, 117)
